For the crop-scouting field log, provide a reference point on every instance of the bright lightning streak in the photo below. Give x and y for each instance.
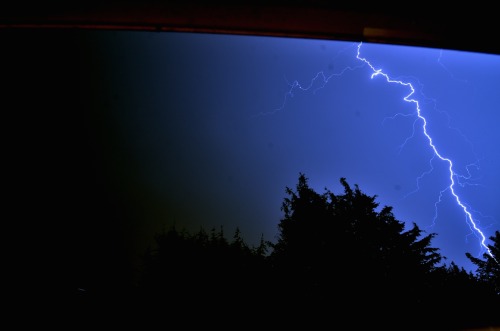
(452, 174)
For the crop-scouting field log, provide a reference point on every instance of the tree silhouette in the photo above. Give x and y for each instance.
(339, 259)
(460, 300)
(339, 248)
(489, 269)
(203, 273)
(487, 289)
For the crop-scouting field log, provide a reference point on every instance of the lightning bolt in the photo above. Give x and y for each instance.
(454, 178)
(320, 80)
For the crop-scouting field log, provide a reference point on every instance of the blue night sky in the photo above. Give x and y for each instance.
(209, 130)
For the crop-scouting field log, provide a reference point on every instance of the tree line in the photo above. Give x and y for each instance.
(337, 261)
